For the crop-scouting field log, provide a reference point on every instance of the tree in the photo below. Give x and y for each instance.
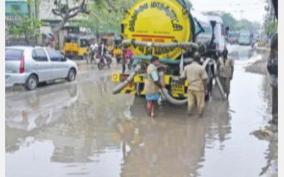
(66, 12)
(103, 18)
(229, 21)
(24, 26)
(68, 9)
(234, 24)
(270, 27)
(247, 25)
(270, 22)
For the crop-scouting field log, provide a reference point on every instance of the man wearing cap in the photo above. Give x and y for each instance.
(197, 78)
(226, 71)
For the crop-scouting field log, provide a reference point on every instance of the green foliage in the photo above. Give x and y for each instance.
(26, 26)
(105, 16)
(229, 21)
(244, 24)
(270, 21)
(271, 27)
(234, 24)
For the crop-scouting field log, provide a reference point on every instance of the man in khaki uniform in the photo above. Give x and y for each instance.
(226, 70)
(197, 78)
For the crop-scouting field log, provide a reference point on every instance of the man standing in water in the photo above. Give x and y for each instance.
(197, 78)
(152, 85)
(226, 71)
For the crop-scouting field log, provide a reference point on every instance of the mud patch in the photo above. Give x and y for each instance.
(267, 133)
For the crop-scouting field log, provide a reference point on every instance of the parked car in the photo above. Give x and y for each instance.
(30, 66)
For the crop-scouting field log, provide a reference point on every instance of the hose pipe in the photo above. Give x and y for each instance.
(123, 84)
(168, 97)
(171, 99)
(219, 85)
(221, 89)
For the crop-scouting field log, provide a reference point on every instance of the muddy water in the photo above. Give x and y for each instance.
(80, 129)
(239, 52)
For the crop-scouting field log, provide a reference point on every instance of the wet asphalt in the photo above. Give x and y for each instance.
(81, 129)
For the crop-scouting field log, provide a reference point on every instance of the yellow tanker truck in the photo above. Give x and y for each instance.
(164, 28)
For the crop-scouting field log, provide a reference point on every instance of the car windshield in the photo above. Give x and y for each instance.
(13, 54)
(207, 28)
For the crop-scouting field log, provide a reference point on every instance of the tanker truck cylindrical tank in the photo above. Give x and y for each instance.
(160, 21)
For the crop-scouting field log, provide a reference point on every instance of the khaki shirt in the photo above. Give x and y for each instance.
(195, 74)
(225, 69)
(150, 86)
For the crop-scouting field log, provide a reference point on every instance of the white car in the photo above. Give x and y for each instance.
(29, 66)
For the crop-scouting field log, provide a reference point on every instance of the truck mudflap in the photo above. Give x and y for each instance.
(136, 87)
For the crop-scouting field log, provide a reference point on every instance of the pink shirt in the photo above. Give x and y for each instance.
(128, 53)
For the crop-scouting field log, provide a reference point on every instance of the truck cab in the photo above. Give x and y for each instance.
(203, 28)
(218, 41)
(210, 31)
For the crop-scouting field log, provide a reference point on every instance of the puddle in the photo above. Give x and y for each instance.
(83, 130)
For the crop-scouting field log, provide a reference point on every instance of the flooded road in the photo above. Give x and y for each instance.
(81, 129)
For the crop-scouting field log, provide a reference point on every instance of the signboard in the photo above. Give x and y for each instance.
(13, 8)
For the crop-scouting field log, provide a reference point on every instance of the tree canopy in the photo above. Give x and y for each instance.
(98, 15)
(234, 24)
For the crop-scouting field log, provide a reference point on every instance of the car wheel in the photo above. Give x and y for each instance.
(71, 75)
(31, 82)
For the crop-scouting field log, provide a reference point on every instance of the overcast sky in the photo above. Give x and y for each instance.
(252, 10)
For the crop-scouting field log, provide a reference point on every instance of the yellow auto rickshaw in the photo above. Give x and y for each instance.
(76, 47)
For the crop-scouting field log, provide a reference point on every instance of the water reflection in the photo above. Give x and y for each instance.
(28, 113)
(35, 109)
(172, 144)
(93, 135)
(240, 52)
(88, 126)
(162, 149)
(271, 155)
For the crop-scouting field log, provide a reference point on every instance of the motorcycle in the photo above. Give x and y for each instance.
(104, 61)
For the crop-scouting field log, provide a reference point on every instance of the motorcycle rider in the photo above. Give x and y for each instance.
(93, 51)
(102, 51)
